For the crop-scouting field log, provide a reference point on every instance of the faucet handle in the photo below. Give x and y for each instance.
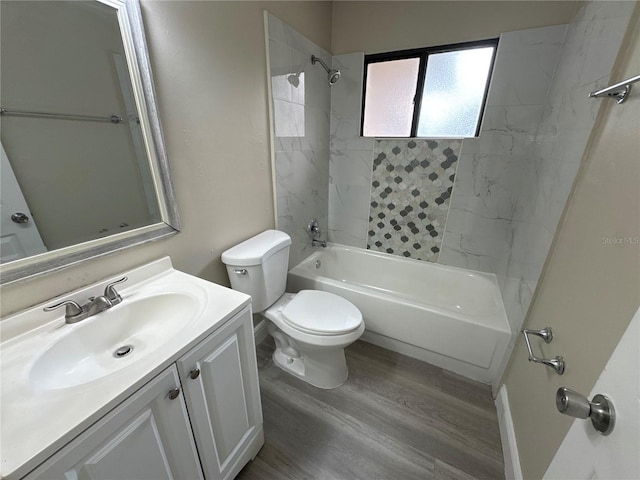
(110, 292)
(72, 310)
(313, 228)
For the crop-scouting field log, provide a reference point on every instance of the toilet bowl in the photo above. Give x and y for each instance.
(311, 328)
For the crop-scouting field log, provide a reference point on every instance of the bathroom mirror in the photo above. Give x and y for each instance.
(84, 167)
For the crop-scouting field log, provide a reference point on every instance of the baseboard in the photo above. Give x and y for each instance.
(260, 331)
(512, 469)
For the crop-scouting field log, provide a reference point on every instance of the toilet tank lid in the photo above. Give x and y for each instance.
(256, 250)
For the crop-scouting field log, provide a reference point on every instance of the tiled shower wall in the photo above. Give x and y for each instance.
(470, 224)
(300, 108)
(388, 195)
(589, 50)
(351, 161)
(494, 165)
(512, 182)
(410, 191)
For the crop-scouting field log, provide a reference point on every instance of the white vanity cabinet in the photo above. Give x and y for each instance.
(146, 437)
(199, 419)
(220, 381)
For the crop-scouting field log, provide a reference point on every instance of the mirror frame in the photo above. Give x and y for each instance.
(135, 45)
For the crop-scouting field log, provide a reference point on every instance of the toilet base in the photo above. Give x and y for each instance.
(321, 367)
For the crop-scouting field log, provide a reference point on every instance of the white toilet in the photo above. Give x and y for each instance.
(312, 328)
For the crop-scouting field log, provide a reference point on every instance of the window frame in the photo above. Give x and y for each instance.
(423, 54)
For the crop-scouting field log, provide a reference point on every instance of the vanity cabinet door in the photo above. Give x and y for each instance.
(146, 437)
(220, 380)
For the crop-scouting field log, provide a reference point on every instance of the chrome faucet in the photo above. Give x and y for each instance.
(74, 312)
(313, 228)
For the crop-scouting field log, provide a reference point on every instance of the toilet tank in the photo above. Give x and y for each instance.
(258, 267)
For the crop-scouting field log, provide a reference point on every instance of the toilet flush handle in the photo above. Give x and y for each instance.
(240, 271)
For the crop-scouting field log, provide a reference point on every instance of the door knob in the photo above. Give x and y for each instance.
(600, 409)
(19, 217)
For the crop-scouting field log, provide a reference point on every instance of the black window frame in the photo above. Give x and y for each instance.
(423, 54)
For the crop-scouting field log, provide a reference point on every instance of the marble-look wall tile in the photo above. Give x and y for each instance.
(351, 157)
(493, 167)
(301, 115)
(588, 53)
(411, 187)
(534, 51)
(301, 196)
(349, 214)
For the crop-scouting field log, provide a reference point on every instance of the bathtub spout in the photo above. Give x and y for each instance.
(313, 229)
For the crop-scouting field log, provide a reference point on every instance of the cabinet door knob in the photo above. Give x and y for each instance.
(19, 217)
(195, 373)
(173, 394)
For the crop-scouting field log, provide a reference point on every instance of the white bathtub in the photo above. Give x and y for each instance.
(447, 316)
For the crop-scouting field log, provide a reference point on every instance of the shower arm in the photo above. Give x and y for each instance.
(315, 59)
(332, 75)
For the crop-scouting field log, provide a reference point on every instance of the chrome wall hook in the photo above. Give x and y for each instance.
(546, 334)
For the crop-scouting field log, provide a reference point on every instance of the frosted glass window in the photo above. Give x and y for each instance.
(453, 94)
(433, 92)
(390, 92)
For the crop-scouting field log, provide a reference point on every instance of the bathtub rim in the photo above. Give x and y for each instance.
(300, 270)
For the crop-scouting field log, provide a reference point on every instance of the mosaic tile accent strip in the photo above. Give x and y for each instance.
(410, 191)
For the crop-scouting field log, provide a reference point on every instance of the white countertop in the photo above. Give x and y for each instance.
(35, 423)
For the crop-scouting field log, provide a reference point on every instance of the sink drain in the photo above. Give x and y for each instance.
(123, 351)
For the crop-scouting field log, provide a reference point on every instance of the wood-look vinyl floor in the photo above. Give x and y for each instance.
(395, 418)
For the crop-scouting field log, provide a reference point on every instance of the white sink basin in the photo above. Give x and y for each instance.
(133, 329)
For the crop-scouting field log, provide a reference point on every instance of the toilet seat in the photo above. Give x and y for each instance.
(321, 313)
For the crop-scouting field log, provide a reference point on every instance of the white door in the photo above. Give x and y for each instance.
(148, 437)
(585, 454)
(19, 236)
(220, 380)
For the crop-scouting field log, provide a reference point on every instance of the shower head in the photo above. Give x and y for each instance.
(294, 79)
(333, 75)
